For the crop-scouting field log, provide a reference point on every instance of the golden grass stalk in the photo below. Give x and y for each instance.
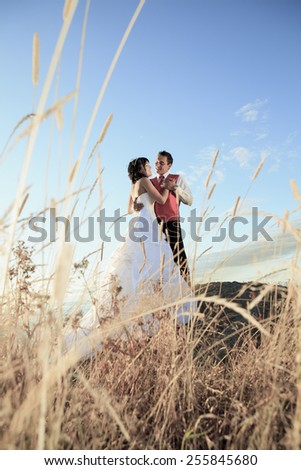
(207, 212)
(61, 275)
(28, 116)
(73, 210)
(89, 195)
(67, 9)
(56, 106)
(211, 190)
(102, 251)
(208, 178)
(295, 190)
(97, 182)
(42, 425)
(258, 169)
(33, 135)
(102, 134)
(236, 308)
(100, 97)
(35, 59)
(285, 222)
(99, 172)
(23, 203)
(211, 169)
(203, 252)
(74, 171)
(259, 297)
(102, 400)
(59, 116)
(78, 79)
(105, 128)
(9, 209)
(215, 158)
(235, 207)
(162, 261)
(107, 79)
(37, 120)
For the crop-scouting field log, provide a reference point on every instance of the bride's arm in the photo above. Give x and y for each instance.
(130, 204)
(152, 191)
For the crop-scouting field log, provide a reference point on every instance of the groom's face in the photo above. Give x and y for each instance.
(161, 164)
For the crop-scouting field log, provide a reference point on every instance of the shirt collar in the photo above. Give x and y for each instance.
(165, 175)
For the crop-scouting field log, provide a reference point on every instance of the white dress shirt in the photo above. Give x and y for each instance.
(182, 190)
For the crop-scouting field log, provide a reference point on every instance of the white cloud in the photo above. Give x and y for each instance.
(241, 155)
(197, 173)
(261, 136)
(240, 133)
(274, 168)
(250, 112)
(219, 175)
(291, 137)
(281, 247)
(250, 115)
(200, 172)
(207, 153)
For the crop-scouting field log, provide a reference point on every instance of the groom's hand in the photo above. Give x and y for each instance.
(137, 206)
(170, 184)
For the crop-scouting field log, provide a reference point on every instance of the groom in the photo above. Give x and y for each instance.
(168, 214)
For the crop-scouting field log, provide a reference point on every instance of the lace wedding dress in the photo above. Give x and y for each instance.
(140, 279)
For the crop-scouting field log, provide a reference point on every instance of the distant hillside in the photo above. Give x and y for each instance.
(223, 328)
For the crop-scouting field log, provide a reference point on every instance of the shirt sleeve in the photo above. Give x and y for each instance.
(183, 191)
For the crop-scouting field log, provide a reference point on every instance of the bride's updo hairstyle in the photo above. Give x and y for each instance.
(135, 167)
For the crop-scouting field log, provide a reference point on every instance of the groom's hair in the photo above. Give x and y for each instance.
(168, 156)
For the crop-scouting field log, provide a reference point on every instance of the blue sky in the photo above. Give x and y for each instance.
(194, 76)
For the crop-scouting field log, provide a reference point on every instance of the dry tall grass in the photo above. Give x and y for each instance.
(173, 390)
(168, 391)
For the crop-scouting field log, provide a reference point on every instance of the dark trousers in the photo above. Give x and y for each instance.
(173, 233)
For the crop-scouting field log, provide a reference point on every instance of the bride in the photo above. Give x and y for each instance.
(141, 277)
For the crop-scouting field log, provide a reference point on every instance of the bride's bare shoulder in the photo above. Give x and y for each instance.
(144, 181)
(141, 182)
(139, 187)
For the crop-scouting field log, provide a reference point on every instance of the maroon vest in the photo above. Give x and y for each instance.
(169, 210)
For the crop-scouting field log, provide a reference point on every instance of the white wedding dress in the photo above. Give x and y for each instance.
(141, 279)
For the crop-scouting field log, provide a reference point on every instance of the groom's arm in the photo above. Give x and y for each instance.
(181, 189)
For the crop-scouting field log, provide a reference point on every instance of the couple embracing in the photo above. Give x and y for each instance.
(148, 272)
(167, 213)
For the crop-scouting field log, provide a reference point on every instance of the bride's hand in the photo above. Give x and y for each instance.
(137, 206)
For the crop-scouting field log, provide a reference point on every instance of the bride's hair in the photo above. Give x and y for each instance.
(134, 168)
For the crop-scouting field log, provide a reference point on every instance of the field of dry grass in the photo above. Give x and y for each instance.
(229, 380)
(208, 385)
